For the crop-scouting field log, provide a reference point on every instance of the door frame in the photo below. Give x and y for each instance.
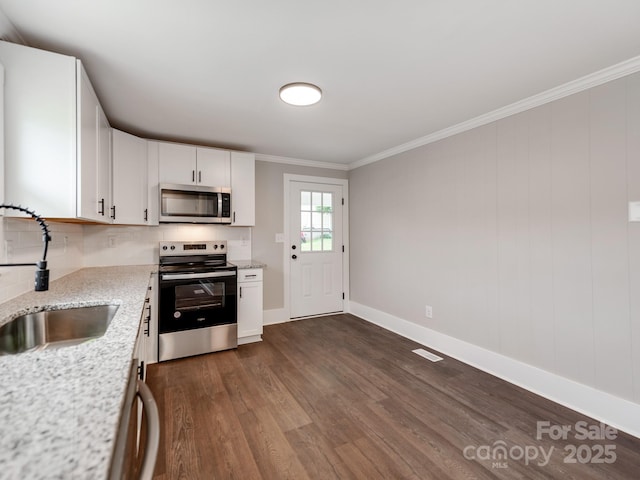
(286, 258)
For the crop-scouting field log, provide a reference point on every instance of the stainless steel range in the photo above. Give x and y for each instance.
(197, 299)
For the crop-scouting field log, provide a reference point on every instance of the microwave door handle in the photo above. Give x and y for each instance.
(191, 276)
(220, 205)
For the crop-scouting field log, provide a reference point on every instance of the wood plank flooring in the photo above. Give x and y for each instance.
(338, 398)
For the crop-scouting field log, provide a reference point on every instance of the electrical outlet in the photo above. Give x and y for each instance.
(428, 311)
(111, 240)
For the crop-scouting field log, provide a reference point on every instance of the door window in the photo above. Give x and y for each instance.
(316, 221)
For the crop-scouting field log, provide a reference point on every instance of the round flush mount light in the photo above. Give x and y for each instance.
(300, 94)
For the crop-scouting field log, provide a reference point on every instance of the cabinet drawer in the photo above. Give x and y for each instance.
(250, 275)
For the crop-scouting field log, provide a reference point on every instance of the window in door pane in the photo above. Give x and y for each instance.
(316, 221)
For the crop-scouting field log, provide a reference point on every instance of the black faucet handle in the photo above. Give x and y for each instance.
(42, 277)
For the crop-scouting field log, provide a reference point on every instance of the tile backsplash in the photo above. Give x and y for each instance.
(21, 242)
(124, 245)
(74, 246)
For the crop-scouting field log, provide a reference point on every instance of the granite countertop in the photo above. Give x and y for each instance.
(60, 408)
(245, 264)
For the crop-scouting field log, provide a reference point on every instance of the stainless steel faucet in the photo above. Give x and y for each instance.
(42, 273)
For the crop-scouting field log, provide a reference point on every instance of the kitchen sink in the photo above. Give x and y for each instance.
(55, 328)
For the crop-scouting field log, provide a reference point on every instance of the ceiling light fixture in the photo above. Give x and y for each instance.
(300, 94)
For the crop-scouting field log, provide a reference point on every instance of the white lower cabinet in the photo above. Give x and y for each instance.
(150, 320)
(249, 305)
(147, 342)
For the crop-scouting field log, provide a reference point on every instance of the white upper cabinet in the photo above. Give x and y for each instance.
(130, 179)
(103, 160)
(94, 145)
(177, 163)
(191, 165)
(56, 136)
(62, 162)
(243, 189)
(213, 167)
(90, 205)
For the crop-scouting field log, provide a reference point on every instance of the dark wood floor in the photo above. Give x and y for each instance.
(337, 397)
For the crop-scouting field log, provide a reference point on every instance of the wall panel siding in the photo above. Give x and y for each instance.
(542, 341)
(571, 226)
(525, 246)
(441, 278)
(633, 233)
(609, 237)
(513, 327)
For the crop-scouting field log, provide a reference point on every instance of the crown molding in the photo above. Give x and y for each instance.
(301, 162)
(600, 77)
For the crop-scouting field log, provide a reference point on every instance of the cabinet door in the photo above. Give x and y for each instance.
(92, 204)
(149, 332)
(177, 163)
(40, 144)
(249, 309)
(151, 313)
(243, 185)
(130, 194)
(213, 167)
(103, 182)
(153, 198)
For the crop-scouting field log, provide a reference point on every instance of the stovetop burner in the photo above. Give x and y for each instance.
(193, 256)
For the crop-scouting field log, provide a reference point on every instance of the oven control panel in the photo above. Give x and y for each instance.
(205, 247)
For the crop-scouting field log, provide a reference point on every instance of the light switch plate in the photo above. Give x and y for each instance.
(634, 211)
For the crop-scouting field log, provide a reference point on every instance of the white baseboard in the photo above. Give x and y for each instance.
(249, 339)
(274, 316)
(614, 411)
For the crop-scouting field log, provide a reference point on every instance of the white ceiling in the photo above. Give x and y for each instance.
(208, 71)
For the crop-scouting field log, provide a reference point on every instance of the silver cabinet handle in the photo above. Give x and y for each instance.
(153, 431)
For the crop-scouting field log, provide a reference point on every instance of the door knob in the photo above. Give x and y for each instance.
(294, 256)
(293, 247)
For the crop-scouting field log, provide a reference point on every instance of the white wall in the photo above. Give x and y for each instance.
(516, 233)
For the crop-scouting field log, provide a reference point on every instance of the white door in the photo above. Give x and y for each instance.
(315, 249)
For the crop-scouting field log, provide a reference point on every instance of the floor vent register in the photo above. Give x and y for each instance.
(428, 355)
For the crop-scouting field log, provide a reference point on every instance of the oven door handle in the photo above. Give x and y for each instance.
(191, 276)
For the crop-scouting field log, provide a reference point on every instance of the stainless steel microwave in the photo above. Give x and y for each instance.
(194, 204)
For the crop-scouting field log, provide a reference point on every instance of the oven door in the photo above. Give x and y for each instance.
(197, 300)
